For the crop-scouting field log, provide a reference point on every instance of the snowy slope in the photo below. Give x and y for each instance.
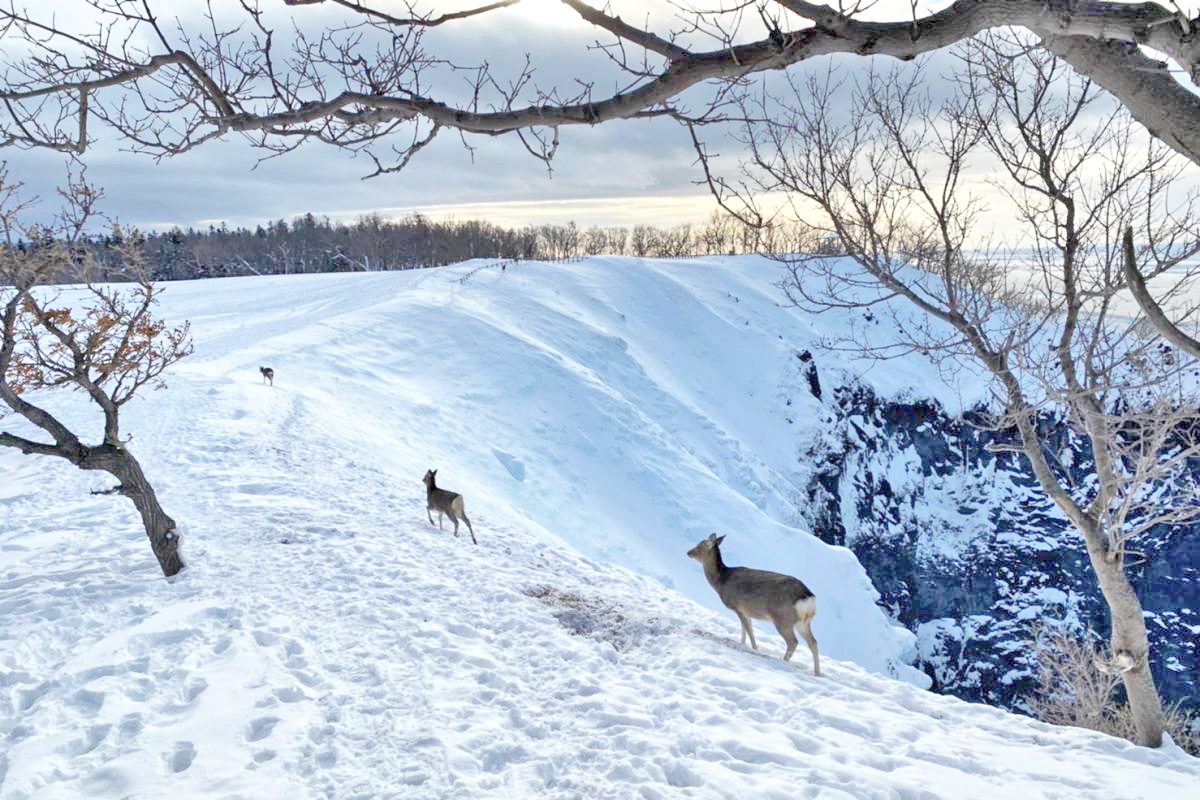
(631, 409)
(327, 642)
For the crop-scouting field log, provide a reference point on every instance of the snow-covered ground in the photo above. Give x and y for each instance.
(599, 418)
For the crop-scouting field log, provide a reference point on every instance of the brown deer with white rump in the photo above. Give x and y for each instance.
(445, 502)
(757, 594)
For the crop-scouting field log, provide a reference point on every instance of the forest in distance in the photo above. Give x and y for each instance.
(312, 244)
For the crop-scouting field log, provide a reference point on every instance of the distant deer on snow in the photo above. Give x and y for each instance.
(757, 594)
(268, 375)
(445, 502)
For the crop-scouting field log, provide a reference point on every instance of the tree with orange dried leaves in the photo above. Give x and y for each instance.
(105, 342)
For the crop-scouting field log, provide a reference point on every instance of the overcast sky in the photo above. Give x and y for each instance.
(619, 173)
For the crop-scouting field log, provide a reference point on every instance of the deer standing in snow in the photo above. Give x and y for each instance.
(268, 375)
(757, 594)
(445, 502)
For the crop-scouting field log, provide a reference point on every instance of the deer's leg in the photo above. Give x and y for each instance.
(805, 627)
(428, 514)
(457, 508)
(747, 630)
(785, 630)
(454, 519)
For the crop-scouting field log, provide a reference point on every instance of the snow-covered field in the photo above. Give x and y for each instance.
(600, 418)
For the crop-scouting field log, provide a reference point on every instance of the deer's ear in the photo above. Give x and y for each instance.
(717, 539)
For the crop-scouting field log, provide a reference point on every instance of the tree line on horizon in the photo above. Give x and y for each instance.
(311, 244)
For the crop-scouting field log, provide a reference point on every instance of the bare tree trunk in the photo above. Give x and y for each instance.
(160, 528)
(1128, 639)
(1129, 642)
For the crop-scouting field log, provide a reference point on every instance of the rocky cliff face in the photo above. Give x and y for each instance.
(967, 552)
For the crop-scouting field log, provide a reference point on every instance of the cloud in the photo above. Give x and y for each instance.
(630, 210)
(596, 169)
(620, 172)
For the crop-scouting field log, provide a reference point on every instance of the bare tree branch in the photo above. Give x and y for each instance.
(337, 89)
(1153, 312)
(427, 22)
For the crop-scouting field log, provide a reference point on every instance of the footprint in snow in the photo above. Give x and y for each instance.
(181, 758)
(182, 699)
(90, 740)
(260, 728)
(265, 638)
(289, 694)
(130, 727)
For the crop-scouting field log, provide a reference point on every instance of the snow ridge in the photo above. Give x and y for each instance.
(327, 642)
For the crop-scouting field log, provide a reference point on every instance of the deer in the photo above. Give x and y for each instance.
(758, 594)
(268, 375)
(444, 502)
